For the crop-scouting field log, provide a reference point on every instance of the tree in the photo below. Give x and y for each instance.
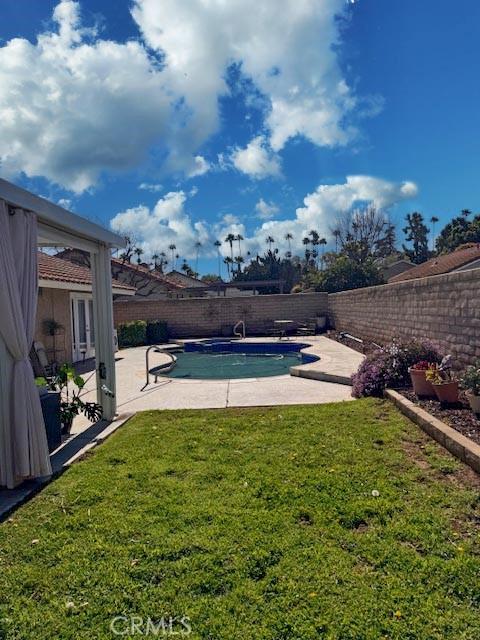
(271, 267)
(239, 239)
(458, 231)
(289, 238)
(416, 232)
(229, 262)
(210, 278)
(138, 251)
(198, 246)
(126, 255)
(336, 234)
(344, 274)
(239, 261)
(217, 244)
(433, 222)
(269, 240)
(306, 244)
(172, 248)
(230, 239)
(323, 242)
(362, 234)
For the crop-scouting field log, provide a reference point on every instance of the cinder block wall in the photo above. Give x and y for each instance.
(445, 309)
(202, 317)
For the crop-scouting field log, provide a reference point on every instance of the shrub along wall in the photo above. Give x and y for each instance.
(204, 317)
(445, 309)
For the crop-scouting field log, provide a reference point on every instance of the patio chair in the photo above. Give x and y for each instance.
(40, 363)
(308, 328)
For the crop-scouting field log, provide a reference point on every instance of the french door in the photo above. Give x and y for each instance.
(83, 329)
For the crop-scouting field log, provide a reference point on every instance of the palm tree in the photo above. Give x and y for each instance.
(239, 239)
(229, 262)
(218, 244)
(315, 238)
(198, 245)
(230, 239)
(155, 258)
(323, 242)
(433, 221)
(336, 233)
(269, 240)
(306, 244)
(466, 213)
(163, 260)
(289, 238)
(172, 248)
(239, 261)
(138, 251)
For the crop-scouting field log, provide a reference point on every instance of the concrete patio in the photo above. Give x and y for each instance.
(308, 383)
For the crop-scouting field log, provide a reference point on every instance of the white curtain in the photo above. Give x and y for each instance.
(24, 439)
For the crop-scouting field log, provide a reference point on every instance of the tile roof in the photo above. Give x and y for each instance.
(58, 270)
(184, 280)
(440, 264)
(155, 275)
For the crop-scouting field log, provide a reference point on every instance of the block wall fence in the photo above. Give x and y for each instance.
(445, 309)
(205, 317)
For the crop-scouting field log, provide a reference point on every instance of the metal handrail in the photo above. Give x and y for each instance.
(147, 362)
(236, 333)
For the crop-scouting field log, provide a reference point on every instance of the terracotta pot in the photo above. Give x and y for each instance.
(474, 402)
(421, 386)
(447, 392)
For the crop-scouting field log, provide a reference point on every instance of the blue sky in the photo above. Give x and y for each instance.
(186, 124)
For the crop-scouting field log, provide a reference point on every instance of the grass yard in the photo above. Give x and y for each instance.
(253, 523)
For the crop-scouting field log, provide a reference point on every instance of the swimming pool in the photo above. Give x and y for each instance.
(224, 359)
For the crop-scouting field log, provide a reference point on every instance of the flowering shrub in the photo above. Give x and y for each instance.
(388, 367)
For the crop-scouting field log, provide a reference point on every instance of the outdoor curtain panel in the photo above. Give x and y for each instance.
(24, 443)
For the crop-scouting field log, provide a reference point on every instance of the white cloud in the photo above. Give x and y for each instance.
(286, 47)
(170, 222)
(73, 105)
(166, 223)
(150, 186)
(199, 167)
(266, 210)
(256, 160)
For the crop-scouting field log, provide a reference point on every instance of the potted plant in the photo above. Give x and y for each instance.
(470, 381)
(445, 386)
(70, 386)
(422, 387)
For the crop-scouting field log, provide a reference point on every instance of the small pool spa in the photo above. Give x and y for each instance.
(224, 359)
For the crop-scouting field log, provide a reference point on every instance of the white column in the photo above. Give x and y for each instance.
(103, 318)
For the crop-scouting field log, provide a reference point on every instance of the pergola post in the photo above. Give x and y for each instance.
(103, 319)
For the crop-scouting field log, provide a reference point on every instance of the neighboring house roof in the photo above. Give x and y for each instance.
(459, 259)
(396, 268)
(148, 273)
(182, 279)
(54, 269)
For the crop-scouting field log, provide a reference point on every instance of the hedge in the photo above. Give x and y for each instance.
(132, 334)
(157, 332)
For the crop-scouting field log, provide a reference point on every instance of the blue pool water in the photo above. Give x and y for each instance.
(221, 359)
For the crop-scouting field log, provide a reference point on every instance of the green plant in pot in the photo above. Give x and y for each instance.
(443, 382)
(70, 386)
(470, 381)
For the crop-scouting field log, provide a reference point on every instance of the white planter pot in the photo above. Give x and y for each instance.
(474, 402)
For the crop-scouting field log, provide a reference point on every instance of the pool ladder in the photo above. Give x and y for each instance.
(237, 333)
(157, 371)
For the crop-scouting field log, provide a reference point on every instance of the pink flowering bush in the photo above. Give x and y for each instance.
(388, 367)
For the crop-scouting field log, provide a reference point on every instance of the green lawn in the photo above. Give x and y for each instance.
(253, 523)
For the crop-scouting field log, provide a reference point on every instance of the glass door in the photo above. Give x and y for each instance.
(83, 328)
